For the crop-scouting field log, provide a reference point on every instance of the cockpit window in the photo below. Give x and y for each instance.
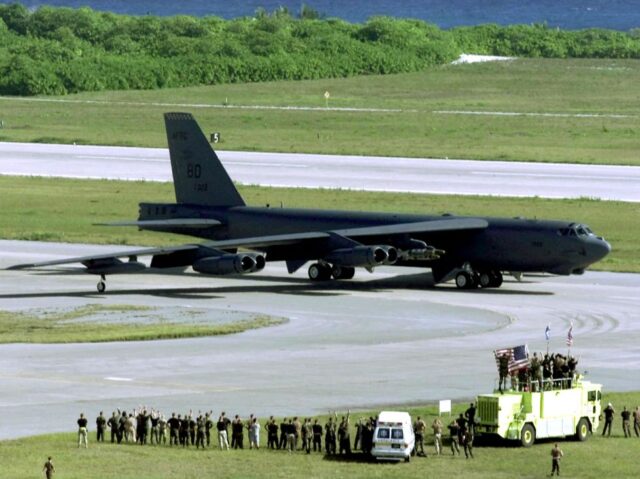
(576, 230)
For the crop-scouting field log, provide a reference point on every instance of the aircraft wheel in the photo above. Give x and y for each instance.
(485, 279)
(342, 272)
(319, 272)
(527, 435)
(102, 286)
(496, 279)
(464, 280)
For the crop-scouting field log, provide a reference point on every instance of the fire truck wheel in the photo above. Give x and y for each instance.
(527, 435)
(582, 430)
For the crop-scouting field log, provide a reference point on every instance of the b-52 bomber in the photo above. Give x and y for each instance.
(474, 251)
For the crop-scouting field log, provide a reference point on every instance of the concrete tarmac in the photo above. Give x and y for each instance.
(416, 175)
(383, 338)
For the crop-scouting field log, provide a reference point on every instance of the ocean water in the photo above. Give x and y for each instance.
(569, 14)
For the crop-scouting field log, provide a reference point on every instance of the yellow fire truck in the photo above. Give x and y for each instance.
(556, 409)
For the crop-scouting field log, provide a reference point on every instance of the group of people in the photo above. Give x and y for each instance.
(149, 426)
(539, 373)
(626, 415)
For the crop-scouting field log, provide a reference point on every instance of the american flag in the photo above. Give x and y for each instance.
(518, 357)
(570, 336)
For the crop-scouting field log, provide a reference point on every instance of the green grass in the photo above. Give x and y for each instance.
(573, 86)
(64, 210)
(598, 457)
(68, 326)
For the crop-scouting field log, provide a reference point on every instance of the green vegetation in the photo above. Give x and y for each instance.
(63, 210)
(596, 458)
(55, 51)
(75, 326)
(547, 86)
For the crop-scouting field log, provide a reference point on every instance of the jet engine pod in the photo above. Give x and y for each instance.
(367, 256)
(230, 264)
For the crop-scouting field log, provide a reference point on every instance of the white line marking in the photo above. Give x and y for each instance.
(515, 113)
(551, 175)
(121, 158)
(115, 378)
(267, 163)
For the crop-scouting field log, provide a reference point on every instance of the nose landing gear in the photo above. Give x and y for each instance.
(102, 285)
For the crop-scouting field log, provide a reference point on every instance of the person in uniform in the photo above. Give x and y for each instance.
(222, 425)
(101, 424)
(330, 437)
(174, 428)
(608, 419)
(283, 434)
(556, 454)
(237, 433)
(184, 431)
(162, 429)
(344, 439)
(122, 425)
(467, 443)
(358, 440)
(437, 435)
(48, 468)
(113, 427)
(470, 416)
(82, 430)
(626, 421)
(503, 370)
(272, 433)
(155, 428)
(419, 428)
(297, 430)
(317, 436)
(636, 421)
(307, 435)
(454, 430)
(208, 425)
(192, 429)
(200, 431)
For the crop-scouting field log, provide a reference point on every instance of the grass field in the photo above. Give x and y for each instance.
(549, 86)
(139, 324)
(598, 457)
(64, 210)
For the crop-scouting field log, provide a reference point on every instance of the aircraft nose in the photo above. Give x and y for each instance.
(598, 249)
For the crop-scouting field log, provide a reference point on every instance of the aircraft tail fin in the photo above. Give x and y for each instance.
(198, 176)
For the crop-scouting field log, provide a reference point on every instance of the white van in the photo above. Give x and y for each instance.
(393, 438)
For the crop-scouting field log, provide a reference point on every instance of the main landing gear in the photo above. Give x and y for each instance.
(478, 279)
(324, 272)
(102, 284)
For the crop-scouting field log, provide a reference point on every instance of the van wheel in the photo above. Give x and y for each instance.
(408, 458)
(527, 435)
(582, 430)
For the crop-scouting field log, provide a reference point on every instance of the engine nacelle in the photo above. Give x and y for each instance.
(367, 256)
(230, 264)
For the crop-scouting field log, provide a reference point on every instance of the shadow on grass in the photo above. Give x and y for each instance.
(356, 457)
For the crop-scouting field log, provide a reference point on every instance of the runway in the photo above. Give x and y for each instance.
(417, 175)
(384, 338)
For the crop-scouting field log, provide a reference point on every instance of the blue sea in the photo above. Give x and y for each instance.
(568, 14)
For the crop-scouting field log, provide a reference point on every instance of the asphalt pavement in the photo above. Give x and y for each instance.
(416, 175)
(383, 338)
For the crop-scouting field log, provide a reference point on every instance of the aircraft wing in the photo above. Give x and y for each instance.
(177, 222)
(454, 224)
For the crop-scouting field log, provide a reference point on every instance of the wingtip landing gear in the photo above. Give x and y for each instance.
(102, 284)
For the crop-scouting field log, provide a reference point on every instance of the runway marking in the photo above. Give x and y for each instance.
(115, 378)
(120, 158)
(516, 113)
(209, 105)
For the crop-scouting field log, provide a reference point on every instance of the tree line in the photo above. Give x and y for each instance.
(55, 51)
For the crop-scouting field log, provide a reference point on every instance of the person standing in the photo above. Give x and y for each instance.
(82, 430)
(113, 426)
(626, 421)
(283, 434)
(467, 443)
(200, 433)
(636, 421)
(174, 428)
(254, 434)
(556, 454)
(307, 434)
(272, 433)
(101, 424)
(437, 435)
(419, 428)
(48, 469)
(330, 437)
(454, 430)
(221, 426)
(503, 370)
(470, 416)
(317, 436)
(608, 419)
(208, 425)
